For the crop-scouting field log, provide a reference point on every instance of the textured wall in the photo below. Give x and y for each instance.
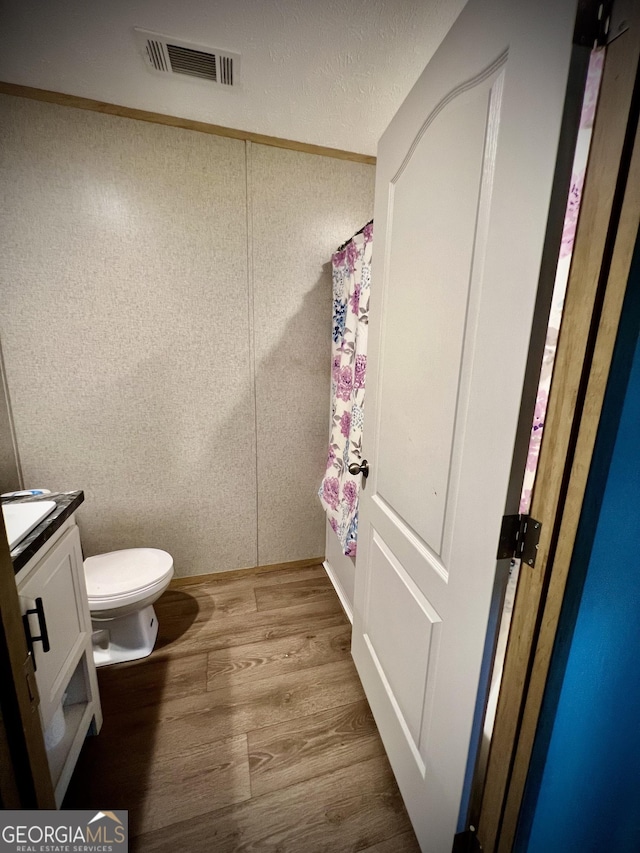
(127, 328)
(299, 201)
(9, 470)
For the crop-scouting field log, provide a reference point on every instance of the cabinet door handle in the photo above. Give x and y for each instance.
(42, 624)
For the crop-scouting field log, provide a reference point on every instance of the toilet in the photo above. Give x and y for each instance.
(121, 588)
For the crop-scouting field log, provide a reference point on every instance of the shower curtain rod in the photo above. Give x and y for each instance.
(346, 242)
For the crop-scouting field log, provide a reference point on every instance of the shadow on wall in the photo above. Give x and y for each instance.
(292, 403)
(181, 462)
(9, 466)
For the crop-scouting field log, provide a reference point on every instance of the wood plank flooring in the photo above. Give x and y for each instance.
(247, 729)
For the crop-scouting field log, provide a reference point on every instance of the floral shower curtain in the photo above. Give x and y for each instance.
(339, 490)
(583, 142)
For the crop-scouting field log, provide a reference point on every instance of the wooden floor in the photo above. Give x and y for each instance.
(246, 730)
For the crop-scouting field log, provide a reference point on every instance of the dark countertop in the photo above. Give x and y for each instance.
(66, 504)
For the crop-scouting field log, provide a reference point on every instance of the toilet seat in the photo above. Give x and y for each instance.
(125, 577)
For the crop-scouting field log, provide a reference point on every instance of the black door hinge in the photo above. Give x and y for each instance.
(466, 842)
(519, 538)
(593, 20)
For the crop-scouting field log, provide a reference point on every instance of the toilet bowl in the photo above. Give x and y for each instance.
(121, 588)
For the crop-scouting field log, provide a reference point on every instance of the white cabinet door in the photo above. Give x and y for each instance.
(57, 580)
(463, 185)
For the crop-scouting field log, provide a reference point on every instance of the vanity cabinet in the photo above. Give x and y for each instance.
(53, 600)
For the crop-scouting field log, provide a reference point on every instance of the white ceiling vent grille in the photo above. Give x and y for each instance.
(166, 55)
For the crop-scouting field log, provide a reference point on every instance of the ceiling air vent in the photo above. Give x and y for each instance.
(166, 55)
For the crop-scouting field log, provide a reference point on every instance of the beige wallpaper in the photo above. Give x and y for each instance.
(146, 329)
(303, 207)
(9, 469)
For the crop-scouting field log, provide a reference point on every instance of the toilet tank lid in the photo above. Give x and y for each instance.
(118, 572)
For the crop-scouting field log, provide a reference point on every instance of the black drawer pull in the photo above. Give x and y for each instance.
(42, 624)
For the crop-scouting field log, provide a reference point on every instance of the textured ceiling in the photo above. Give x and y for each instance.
(326, 72)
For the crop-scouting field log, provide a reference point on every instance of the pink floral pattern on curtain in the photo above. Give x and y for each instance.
(339, 490)
(589, 103)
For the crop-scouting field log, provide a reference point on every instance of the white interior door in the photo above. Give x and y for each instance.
(463, 187)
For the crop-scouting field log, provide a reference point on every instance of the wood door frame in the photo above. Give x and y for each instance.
(604, 245)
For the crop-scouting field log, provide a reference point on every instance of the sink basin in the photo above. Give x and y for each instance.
(21, 518)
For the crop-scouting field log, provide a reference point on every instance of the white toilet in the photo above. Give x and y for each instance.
(121, 588)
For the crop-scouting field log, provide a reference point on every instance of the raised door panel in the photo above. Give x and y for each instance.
(438, 207)
(403, 642)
